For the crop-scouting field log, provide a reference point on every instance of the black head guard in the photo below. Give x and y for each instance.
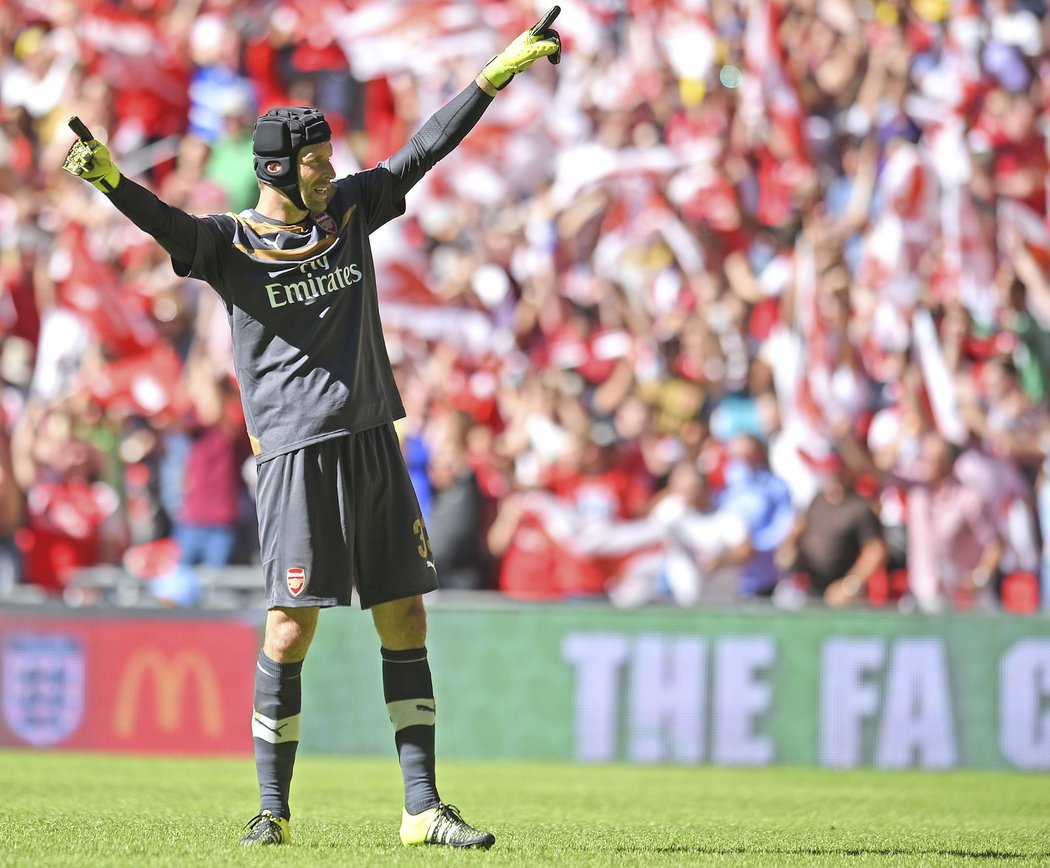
(279, 136)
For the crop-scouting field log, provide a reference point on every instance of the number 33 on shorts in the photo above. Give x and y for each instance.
(420, 530)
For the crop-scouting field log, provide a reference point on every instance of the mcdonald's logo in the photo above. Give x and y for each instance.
(170, 676)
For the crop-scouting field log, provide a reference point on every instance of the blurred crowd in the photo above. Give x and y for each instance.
(742, 300)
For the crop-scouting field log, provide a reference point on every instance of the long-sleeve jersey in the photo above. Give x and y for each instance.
(308, 345)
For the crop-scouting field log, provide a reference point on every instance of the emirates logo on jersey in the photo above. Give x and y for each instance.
(296, 579)
(316, 279)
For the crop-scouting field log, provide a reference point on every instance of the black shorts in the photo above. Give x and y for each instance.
(338, 514)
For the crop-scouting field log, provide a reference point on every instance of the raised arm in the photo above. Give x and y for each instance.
(436, 138)
(448, 126)
(174, 229)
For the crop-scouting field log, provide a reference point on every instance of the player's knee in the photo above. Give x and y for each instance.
(414, 622)
(288, 635)
(401, 624)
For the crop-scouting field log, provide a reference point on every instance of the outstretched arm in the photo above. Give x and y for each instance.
(175, 230)
(448, 126)
(436, 138)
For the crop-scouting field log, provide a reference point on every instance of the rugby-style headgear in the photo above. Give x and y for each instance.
(279, 136)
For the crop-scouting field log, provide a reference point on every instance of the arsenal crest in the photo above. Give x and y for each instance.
(43, 687)
(324, 220)
(296, 578)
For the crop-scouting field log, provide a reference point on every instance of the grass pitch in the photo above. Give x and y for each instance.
(94, 810)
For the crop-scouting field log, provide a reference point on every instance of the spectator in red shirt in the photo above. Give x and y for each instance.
(528, 557)
(206, 526)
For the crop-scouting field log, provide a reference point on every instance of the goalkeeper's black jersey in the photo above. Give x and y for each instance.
(308, 345)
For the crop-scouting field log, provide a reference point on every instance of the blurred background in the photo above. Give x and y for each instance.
(736, 319)
(745, 300)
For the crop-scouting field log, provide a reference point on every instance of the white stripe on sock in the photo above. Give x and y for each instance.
(411, 712)
(275, 731)
(259, 666)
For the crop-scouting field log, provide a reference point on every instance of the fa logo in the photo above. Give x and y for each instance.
(43, 686)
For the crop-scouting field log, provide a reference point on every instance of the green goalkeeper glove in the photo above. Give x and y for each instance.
(89, 159)
(536, 42)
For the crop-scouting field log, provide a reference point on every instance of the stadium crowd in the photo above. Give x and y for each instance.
(744, 299)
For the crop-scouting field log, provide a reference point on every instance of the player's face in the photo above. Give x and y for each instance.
(316, 175)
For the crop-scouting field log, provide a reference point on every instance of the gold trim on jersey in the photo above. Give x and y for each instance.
(255, 444)
(263, 228)
(266, 254)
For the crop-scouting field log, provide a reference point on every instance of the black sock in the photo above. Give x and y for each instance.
(275, 727)
(409, 696)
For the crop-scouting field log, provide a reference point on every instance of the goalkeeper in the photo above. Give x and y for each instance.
(335, 504)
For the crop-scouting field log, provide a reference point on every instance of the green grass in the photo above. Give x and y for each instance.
(93, 810)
